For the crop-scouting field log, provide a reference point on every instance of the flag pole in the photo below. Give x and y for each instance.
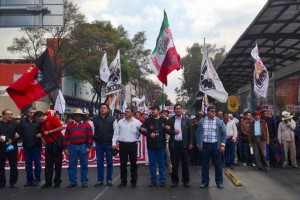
(163, 99)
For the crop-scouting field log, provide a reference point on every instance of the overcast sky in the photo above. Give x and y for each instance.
(221, 22)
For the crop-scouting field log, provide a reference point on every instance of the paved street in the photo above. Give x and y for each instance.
(277, 184)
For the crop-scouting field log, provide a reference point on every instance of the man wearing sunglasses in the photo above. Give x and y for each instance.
(211, 139)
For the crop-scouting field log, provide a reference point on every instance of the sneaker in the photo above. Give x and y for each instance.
(244, 164)
(133, 185)
(35, 183)
(28, 184)
(13, 185)
(84, 185)
(203, 185)
(109, 183)
(99, 184)
(253, 165)
(56, 185)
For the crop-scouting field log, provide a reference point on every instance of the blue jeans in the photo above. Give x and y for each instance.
(75, 152)
(211, 150)
(229, 152)
(33, 154)
(100, 150)
(157, 156)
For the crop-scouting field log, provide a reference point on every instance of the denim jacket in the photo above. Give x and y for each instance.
(221, 132)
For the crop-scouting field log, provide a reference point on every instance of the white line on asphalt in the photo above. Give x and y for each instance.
(106, 188)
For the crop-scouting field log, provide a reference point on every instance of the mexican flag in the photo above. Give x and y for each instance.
(164, 58)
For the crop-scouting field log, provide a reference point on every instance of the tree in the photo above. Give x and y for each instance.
(33, 43)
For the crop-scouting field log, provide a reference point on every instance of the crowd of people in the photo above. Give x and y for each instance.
(180, 140)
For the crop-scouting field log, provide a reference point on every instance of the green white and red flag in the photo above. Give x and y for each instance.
(164, 58)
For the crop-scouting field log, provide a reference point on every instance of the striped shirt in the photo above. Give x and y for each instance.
(210, 130)
(78, 133)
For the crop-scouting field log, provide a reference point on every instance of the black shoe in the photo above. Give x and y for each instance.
(109, 183)
(13, 185)
(133, 185)
(99, 184)
(35, 183)
(152, 184)
(203, 185)
(2, 186)
(56, 185)
(187, 185)
(122, 184)
(46, 185)
(220, 185)
(84, 185)
(162, 184)
(174, 184)
(28, 184)
(72, 185)
(231, 167)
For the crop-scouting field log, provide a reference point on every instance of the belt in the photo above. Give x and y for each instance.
(127, 142)
(78, 143)
(178, 141)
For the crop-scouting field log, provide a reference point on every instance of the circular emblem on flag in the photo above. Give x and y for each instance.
(163, 44)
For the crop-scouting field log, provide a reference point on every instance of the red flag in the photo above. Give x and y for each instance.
(37, 82)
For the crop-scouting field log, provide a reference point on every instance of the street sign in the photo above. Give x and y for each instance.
(31, 13)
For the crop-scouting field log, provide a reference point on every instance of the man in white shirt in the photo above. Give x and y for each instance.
(231, 136)
(126, 134)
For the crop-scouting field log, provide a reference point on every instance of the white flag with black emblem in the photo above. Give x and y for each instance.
(260, 75)
(210, 83)
(114, 83)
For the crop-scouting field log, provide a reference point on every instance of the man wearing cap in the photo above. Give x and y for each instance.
(286, 137)
(104, 131)
(51, 130)
(77, 144)
(211, 138)
(154, 128)
(126, 133)
(181, 141)
(259, 138)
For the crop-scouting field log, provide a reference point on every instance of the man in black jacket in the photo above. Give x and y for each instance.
(154, 128)
(181, 141)
(9, 136)
(104, 131)
(32, 144)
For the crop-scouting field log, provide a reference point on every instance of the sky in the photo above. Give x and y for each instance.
(220, 22)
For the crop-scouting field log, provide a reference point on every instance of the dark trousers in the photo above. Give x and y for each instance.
(53, 157)
(128, 149)
(12, 159)
(229, 152)
(211, 150)
(33, 154)
(180, 154)
(245, 155)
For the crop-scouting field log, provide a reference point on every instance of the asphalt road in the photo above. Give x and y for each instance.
(276, 184)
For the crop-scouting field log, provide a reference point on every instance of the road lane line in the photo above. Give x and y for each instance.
(106, 188)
